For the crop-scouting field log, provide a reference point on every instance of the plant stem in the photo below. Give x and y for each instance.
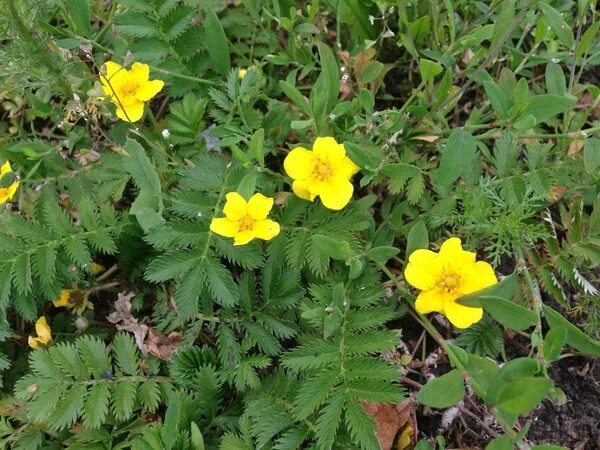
(186, 77)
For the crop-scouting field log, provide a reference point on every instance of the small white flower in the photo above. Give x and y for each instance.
(555, 60)
(166, 133)
(371, 19)
(388, 33)
(76, 97)
(199, 214)
(345, 77)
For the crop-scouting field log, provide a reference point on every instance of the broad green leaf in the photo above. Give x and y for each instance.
(555, 80)
(366, 156)
(554, 342)
(591, 154)
(295, 95)
(366, 99)
(382, 254)
(196, 438)
(247, 185)
(400, 170)
(331, 247)
(417, 237)
(522, 394)
(503, 22)
(575, 337)
(543, 107)
(79, 11)
(429, 69)
(508, 313)
(330, 75)
(557, 23)
(506, 289)
(444, 391)
(587, 39)
(497, 99)
(500, 443)
(216, 43)
(257, 146)
(459, 153)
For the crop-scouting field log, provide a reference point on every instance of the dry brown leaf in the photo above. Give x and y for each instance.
(160, 345)
(575, 146)
(389, 419)
(125, 321)
(556, 193)
(430, 138)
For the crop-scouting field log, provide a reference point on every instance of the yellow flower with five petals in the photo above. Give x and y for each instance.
(325, 172)
(446, 276)
(63, 299)
(7, 193)
(44, 334)
(129, 89)
(246, 220)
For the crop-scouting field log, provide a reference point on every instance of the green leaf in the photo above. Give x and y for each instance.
(575, 337)
(247, 186)
(220, 283)
(591, 154)
(459, 153)
(125, 354)
(256, 146)
(500, 443)
(554, 342)
(330, 75)
(136, 25)
(382, 254)
(216, 43)
(509, 314)
(498, 100)
(557, 23)
(503, 22)
(366, 100)
(295, 95)
(544, 107)
(79, 11)
(67, 408)
(417, 237)
(360, 425)
(196, 438)
(555, 80)
(522, 394)
(587, 39)
(148, 205)
(506, 289)
(444, 391)
(95, 405)
(333, 248)
(429, 69)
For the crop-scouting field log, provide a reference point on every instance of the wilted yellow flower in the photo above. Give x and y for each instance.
(446, 276)
(7, 193)
(129, 89)
(245, 221)
(44, 334)
(73, 299)
(63, 300)
(325, 171)
(242, 73)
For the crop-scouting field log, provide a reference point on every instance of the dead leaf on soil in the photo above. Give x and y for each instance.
(160, 345)
(389, 419)
(147, 338)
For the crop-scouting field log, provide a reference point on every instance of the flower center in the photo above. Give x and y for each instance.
(246, 223)
(129, 88)
(449, 282)
(322, 170)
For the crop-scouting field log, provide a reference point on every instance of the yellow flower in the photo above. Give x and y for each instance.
(245, 221)
(129, 89)
(7, 193)
(44, 334)
(325, 171)
(444, 277)
(63, 300)
(242, 73)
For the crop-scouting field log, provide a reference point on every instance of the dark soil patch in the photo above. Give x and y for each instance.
(576, 424)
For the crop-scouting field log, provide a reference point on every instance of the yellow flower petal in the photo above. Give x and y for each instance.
(131, 112)
(299, 163)
(300, 188)
(63, 300)
(33, 342)
(235, 206)
(149, 89)
(140, 71)
(111, 75)
(328, 149)
(242, 73)
(43, 330)
(432, 300)
(477, 276)
(336, 194)
(422, 269)
(5, 169)
(462, 316)
(451, 252)
(259, 206)
(244, 237)
(224, 227)
(266, 229)
(346, 168)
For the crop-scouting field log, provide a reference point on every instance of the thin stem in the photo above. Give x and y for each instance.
(186, 77)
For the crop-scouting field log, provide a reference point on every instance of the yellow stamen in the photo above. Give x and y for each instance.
(322, 170)
(246, 223)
